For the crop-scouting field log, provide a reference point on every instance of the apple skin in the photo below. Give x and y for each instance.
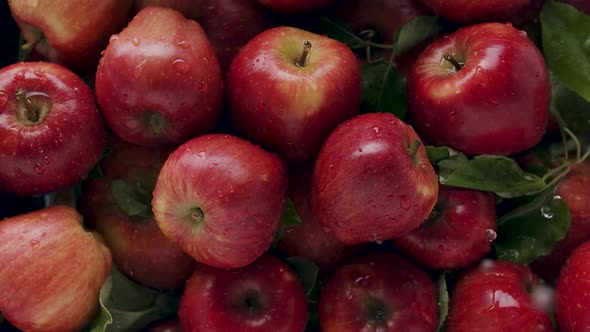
(366, 186)
(186, 7)
(496, 296)
(457, 233)
(469, 12)
(77, 48)
(139, 248)
(225, 210)
(51, 270)
(159, 81)
(498, 103)
(574, 189)
(289, 108)
(378, 292)
(263, 296)
(572, 299)
(295, 6)
(59, 149)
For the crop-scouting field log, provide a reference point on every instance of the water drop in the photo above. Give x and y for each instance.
(360, 149)
(203, 87)
(40, 74)
(44, 216)
(202, 154)
(124, 97)
(34, 244)
(478, 70)
(547, 212)
(39, 169)
(136, 72)
(182, 44)
(404, 202)
(490, 235)
(331, 166)
(509, 25)
(113, 38)
(135, 41)
(453, 113)
(522, 33)
(18, 171)
(181, 66)
(587, 43)
(376, 129)
(46, 160)
(261, 106)
(19, 76)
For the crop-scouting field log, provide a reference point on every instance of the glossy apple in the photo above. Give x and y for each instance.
(574, 189)
(159, 81)
(186, 7)
(494, 99)
(458, 232)
(51, 270)
(289, 96)
(263, 296)
(499, 296)
(225, 209)
(308, 240)
(52, 133)
(295, 6)
(469, 12)
(378, 292)
(51, 28)
(572, 299)
(372, 180)
(118, 206)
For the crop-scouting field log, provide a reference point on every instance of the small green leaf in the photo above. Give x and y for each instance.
(416, 31)
(566, 45)
(128, 199)
(96, 172)
(531, 230)
(572, 108)
(497, 174)
(306, 270)
(102, 319)
(443, 300)
(290, 216)
(384, 89)
(438, 153)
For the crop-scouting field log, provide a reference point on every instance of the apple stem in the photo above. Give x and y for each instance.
(414, 149)
(304, 54)
(31, 114)
(450, 58)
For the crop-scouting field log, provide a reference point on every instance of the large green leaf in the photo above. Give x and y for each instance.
(531, 229)
(384, 89)
(566, 45)
(417, 31)
(572, 108)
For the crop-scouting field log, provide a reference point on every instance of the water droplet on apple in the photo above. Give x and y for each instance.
(39, 169)
(113, 38)
(44, 216)
(360, 149)
(136, 72)
(490, 235)
(202, 154)
(46, 160)
(135, 41)
(404, 202)
(547, 212)
(19, 76)
(181, 66)
(182, 44)
(376, 129)
(18, 171)
(34, 244)
(509, 25)
(522, 33)
(453, 113)
(124, 97)
(40, 74)
(260, 106)
(203, 87)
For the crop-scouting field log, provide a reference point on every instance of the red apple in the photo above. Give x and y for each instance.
(498, 296)
(295, 6)
(572, 296)
(220, 198)
(72, 33)
(52, 133)
(575, 191)
(372, 180)
(118, 206)
(51, 270)
(230, 24)
(289, 88)
(159, 81)
(379, 292)
(308, 240)
(482, 90)
(458, 232)
(263, 296)
(468, 11)
(186, 7)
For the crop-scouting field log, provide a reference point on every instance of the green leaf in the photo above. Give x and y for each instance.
(307, 271)
(128, 199)
(439, 153)
(572, 108)
(383, 89)
(290, 216)
(96, 172)
(531, 230)
(102, 319)
(497, 174)
(566, 45)
(443, 300)
(313, 323)
(416, 31)
(449, 165)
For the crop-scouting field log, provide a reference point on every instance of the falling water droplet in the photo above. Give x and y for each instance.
(39, 169)
(135, 41)
(490, 235)
(404, 202)
(181, 66)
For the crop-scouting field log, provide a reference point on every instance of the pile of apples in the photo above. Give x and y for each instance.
(216, 148)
